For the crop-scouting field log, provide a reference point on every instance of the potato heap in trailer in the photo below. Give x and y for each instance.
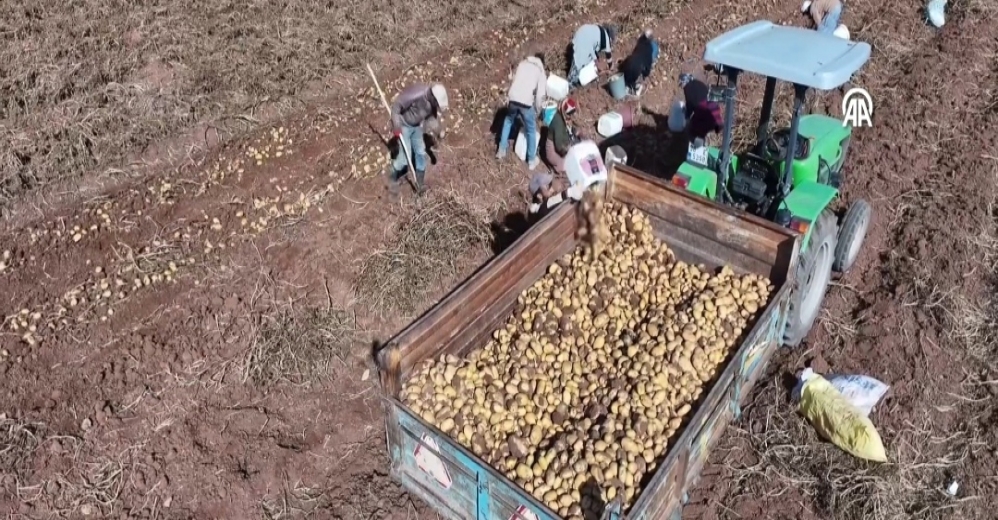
(593, 374)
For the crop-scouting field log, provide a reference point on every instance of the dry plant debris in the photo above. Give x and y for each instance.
(424, 252)
(18, 442)
(301, 349)
(789, 455)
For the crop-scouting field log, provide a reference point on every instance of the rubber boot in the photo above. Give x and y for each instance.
(420, 182)
(392, 181)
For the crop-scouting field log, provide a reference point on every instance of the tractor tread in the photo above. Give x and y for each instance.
(854, 226)
(796, 331)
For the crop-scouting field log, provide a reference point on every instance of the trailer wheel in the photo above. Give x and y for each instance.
(813, 274)
(851, 235)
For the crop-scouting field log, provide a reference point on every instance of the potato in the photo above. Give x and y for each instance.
(596, 370)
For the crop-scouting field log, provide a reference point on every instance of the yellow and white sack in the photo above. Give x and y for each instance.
(839, 421)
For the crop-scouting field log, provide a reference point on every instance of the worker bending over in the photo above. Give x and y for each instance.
(826, 15)
(703, 116)
(637, 67)
(561, 135)
(544, 196)
(526, 94)
(589, 42)
(415, 106)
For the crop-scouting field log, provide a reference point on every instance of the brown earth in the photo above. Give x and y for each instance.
(159, 363)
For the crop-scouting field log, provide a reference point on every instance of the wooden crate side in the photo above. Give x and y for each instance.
(479, 301)
(693, 248)
(732, 229)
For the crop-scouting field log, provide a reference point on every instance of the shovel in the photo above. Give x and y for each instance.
(402, 143)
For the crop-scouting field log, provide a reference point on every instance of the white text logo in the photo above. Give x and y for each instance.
(857, 108)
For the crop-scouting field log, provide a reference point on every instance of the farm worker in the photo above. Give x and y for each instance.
(526, 94)
(703, 116)
(545, 197)
(561, 135)
(413, 108)
(677, 116)
(637, 66)
(589, 41)
(825, 13)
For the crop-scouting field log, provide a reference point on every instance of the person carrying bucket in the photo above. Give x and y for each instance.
(589, 41)
(561, 135)
(637, 66)
(526, 95)
(415, 106)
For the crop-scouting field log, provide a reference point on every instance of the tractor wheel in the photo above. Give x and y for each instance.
(851, 235)
(814, 271)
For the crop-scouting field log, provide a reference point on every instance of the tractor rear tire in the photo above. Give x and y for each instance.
(852, 233)
(814, 272)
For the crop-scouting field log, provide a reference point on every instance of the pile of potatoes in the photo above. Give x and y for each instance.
(578, 396)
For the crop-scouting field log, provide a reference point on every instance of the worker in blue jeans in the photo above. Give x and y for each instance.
(526, 93)
(416, 110)
(824, 13)
(528, 118)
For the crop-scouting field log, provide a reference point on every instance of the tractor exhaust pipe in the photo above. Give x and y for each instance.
(800, 92)
(766, 115)
(721, 189)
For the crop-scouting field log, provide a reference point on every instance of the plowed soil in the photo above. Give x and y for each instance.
(193, 340)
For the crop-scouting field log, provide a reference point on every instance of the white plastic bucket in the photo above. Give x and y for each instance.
(520, 146)
(583, 164)
(610, 124)
(588, 74)
(548, 111)
(557, 87)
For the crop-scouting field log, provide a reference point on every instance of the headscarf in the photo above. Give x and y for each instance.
(569, 106)
(696, 92)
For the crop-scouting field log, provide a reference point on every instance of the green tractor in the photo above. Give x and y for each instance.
(792, 175)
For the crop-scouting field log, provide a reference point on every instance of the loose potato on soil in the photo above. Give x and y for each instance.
(595, 371)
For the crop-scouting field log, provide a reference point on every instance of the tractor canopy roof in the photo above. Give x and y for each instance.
(793, 54)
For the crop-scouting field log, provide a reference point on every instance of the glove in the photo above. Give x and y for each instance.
(575, 192)
(397, 133)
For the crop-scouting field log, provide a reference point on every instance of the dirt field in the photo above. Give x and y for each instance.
(198, 254)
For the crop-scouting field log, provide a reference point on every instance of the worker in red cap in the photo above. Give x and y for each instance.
(561, 135)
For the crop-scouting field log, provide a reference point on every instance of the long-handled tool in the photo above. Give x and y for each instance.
(402, 143)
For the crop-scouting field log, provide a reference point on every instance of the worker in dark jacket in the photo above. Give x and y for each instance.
(561, 135)
(703, 115)
(415, 108)
(637, 66)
